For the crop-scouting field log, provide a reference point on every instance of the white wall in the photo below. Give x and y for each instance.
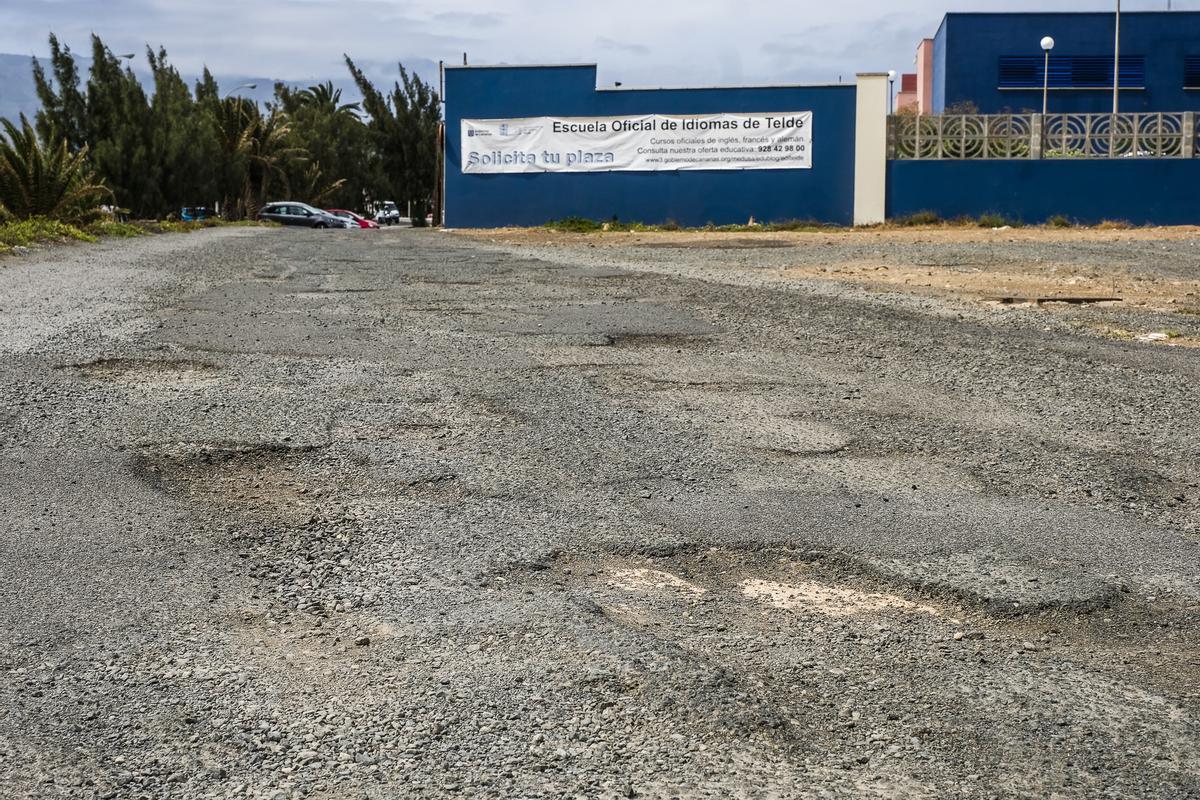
(870, 149)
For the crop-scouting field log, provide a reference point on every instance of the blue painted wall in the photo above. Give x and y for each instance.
(825, 192)
(1158, 191)
(939, 68)
(973, 44)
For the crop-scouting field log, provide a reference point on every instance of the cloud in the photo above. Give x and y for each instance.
(718, 41)
(604, 43)
(468, 19)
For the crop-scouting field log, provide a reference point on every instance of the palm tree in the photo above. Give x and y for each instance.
(312, 186)
(268, 154)
(326, 100)
(256, 152)
(45, 179)
(232, 121)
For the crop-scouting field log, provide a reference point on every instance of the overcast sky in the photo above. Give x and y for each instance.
(660, 42)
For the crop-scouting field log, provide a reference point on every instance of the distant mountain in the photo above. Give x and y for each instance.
(17, 94)
(16, 87)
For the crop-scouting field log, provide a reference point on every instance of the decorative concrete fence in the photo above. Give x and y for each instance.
(1038, 136)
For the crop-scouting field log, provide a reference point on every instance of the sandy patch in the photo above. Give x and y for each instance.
(641, 579)
(809, 596)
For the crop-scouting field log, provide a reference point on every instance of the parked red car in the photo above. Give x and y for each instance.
(362, 222)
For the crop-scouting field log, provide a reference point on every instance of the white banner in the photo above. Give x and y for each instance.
(655, 142)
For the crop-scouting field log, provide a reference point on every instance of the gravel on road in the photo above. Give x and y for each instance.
(304, 514)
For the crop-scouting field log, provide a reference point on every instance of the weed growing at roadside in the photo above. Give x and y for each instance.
(996, 221)
(797, 225)
(575, 225)
(1059, 221)
(919, 218)
(175, 226)
(584, 225)
(38, 229)
(118, 230)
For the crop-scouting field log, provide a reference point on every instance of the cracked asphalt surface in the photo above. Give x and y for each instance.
(301, 514)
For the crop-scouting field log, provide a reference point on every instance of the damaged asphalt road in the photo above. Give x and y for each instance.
(302, 514)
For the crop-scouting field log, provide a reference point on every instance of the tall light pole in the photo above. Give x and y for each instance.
(1047, 46)
(1117, 60)
(891, 88)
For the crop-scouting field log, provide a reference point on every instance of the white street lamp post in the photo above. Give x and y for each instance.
(891, 88)
(1117, 59)
(1047, 46)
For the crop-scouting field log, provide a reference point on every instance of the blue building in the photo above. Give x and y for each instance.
(994, 62)
(824, 192)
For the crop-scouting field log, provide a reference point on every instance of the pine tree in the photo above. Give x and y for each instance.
(64, 111)
(183, 146)
(404, 128)
(118, 131)
(175, 147)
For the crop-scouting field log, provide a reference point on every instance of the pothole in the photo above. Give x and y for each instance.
(327, 292)
(731, 244)
(250, 478)
(636, 340)
(744, 583)
(178, 373)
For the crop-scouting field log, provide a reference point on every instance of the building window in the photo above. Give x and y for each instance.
(1191, 72)
(1074, 72)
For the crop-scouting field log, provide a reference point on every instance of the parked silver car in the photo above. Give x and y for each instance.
(291, 213)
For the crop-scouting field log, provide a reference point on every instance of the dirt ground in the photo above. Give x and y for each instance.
(946, 272)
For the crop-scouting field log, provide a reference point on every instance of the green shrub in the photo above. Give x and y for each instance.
(25, 232)
(45, 179)
(806, 225)
(118, 230)
(996, 221)
(1059, 221)
(178, 226)
(1070, 152)
(919, 218)
(575, 225)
